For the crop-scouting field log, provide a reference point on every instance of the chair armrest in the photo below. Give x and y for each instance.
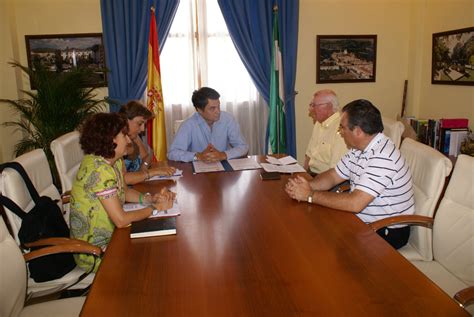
(63, 248)
(465, 297)
(55, 241)
(402, 220)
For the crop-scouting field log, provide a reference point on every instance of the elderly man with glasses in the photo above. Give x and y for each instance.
(326, 146)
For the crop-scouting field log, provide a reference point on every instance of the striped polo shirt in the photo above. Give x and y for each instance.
(381, 171)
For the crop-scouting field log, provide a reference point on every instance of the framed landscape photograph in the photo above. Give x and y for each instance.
(345, 58)
(62, 52)
(453, 57)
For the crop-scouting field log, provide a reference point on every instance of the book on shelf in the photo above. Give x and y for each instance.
(454, 123)
(152, 227)
(456, 138)
(445, 135)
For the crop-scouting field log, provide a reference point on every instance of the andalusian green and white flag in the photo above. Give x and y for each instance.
(276, 120)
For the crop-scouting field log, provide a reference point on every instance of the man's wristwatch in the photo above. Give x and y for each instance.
(146, 164)
(195, 158)
(310, 197)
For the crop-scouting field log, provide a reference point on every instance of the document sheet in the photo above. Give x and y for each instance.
(177, 175)
(243, 164)
(203, 167)
(281, 161)
(173, 211)
(293, 168)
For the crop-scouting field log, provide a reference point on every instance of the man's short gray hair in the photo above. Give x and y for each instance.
(330, 97)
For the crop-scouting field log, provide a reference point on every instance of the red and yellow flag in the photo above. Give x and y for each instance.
(156, 127)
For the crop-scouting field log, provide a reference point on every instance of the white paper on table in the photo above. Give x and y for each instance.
(204, 167)
(281, 161)
(270, 167)
(177, 175)
(243, 164)
(173, 211)
(293, 168)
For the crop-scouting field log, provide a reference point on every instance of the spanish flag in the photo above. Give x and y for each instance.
(156, 127)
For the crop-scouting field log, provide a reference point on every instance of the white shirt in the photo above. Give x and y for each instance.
(381, 171)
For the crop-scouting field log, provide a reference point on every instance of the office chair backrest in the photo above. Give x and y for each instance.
(68, 157)
(12, 185)
(453, 230)
(393, 129)
(12, 274)
(429, 169)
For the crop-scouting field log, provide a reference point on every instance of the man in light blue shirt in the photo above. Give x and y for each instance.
(209, 134)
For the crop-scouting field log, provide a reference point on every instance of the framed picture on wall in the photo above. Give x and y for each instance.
(345, 58)
(62, 52)
(453, 57)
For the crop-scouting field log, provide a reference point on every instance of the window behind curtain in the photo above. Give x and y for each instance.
(209, 59)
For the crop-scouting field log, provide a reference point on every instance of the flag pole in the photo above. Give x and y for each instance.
(277, 133)
(275, 13)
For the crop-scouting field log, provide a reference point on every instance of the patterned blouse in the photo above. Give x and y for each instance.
(96, 179)
(133, 161)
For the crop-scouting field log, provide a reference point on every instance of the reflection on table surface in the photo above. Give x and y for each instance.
(244, 248)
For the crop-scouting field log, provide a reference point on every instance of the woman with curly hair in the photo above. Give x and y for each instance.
(99, 191)
(138, 158)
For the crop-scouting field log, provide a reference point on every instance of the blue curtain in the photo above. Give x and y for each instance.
(126, 26)
(250, 27)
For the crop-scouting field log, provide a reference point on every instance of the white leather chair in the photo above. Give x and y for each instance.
(429, 169)
(393, 129)
(68, 157)
(452, 267)
(13, 187)
(13, 279)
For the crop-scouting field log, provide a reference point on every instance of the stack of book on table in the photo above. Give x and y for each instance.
(153, 227)
(160, 224)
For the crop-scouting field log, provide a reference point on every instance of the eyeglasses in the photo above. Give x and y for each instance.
(341, 129)
(312, 104)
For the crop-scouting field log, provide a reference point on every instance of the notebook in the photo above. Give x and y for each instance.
(152, 227)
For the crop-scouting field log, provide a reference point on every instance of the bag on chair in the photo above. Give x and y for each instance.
(44, 220)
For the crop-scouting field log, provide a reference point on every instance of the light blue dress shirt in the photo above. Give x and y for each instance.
(195, 134)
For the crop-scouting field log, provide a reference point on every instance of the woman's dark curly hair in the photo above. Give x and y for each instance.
(98, 133)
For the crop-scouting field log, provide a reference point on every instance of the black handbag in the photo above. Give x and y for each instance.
(44, 220)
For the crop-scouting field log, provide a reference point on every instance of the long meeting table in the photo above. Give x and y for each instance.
(244, 248)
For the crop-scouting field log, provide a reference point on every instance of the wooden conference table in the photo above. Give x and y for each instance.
(244, 248)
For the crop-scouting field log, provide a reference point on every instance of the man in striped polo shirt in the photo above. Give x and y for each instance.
(380, 179)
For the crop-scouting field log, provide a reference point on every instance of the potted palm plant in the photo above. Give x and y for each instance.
(59, 104)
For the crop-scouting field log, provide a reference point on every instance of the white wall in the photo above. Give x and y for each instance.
(29, 17)
(437, 101)
(403, 27)
(8, 82)
(388, 19)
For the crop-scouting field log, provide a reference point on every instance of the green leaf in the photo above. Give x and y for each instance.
(58, 106)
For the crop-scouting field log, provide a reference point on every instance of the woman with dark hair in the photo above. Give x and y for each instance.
(138, 158)
(99, 191)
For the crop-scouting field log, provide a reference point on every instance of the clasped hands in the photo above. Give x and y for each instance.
(159, 171)
(162, 200)
(211, 154)
(298, 188)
